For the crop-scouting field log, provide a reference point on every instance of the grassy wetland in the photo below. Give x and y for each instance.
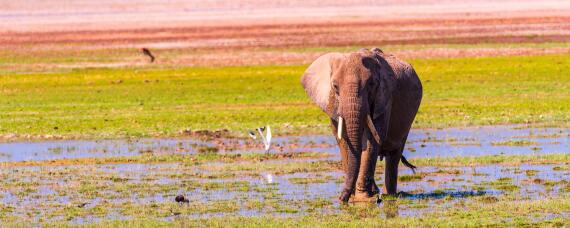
(93, 134)
(145, 101)
(302, 189)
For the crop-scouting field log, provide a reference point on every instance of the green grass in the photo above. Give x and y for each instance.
(467, 214)
(123, 102)
(409, 178)
(191, 160)
(514, 143)
(461, 161)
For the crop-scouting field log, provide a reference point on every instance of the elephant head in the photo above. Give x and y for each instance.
(354, 89)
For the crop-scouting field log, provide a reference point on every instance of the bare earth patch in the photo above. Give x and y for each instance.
(222, 33)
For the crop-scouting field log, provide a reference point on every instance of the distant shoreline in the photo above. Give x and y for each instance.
(54, 15)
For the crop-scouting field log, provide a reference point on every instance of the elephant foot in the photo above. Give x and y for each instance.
(364, 197)
(345, 195)
(385, 192)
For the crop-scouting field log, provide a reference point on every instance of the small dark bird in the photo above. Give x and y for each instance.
(181, 199)
(147, 53)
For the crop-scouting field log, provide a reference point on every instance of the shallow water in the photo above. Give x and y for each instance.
(39, 193)
(488, 140)
(439, 186)
(48, 150)
(472, 141)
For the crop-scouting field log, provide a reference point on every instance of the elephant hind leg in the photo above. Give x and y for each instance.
(393, 159)
(391, 171)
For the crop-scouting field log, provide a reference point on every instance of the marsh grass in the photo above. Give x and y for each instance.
(514, 143)
(252, 162)
(147, 101)
(503, 184)
(188, 159)
(408, 178)
(143, 102)
(483, 211)
(98, 194)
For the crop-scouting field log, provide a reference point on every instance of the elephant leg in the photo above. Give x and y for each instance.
(366, 188)
(348, 160)
(375, 189)
(376, 150)
(352, 170)
(393, 159)
(391, 171)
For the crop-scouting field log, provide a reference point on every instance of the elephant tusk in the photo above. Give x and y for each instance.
(339, 131)
(373, 131)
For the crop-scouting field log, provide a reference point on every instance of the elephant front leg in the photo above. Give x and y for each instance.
(351, 174)
(391, 172)
(366, 189)
(344, 158)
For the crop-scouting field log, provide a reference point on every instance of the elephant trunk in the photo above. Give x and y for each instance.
(354, 131)
(352, 111)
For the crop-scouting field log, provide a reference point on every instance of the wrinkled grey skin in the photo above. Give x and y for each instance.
(360, 84)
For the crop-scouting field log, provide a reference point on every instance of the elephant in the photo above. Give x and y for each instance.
(375, 98)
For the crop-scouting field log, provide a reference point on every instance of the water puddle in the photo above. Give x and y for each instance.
(46, 190)
(259, 188)
(473, 141)
(48, 150)
(488, 140)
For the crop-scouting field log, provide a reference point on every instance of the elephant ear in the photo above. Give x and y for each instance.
(317, 79)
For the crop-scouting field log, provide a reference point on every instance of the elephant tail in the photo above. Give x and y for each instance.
(408, 164)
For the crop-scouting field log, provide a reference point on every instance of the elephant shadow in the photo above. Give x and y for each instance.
(442, 194)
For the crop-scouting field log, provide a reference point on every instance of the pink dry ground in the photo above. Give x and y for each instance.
(252, 32)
